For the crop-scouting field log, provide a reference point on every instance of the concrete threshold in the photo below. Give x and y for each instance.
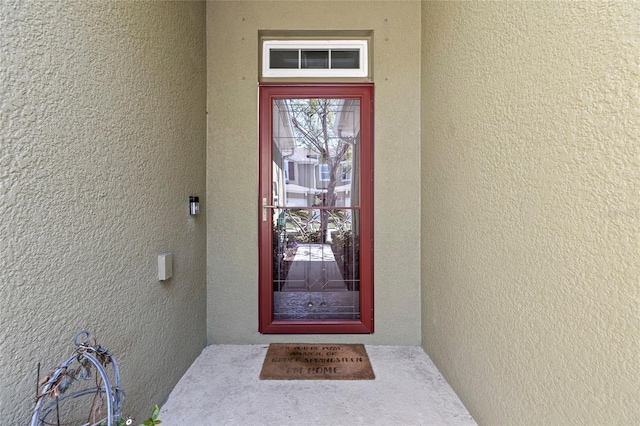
(222, 388)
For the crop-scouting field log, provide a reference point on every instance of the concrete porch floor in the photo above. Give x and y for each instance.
(222, 388)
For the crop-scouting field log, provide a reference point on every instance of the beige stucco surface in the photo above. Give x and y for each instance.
(102, 140)
(232, 161)
(507, 172)
(531, 210)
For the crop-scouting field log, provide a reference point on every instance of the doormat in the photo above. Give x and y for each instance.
(306, 361)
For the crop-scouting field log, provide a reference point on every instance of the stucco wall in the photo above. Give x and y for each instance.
(102, 140)
(531, 209)
(232, 161)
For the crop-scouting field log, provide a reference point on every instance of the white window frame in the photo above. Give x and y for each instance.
(323, 168)
(345, 169)
(285, 166)
(360, 45)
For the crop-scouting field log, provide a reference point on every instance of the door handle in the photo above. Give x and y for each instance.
(265, 206)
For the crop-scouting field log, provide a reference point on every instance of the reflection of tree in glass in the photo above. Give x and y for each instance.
(313, 121)
(341, 221)
(305, 222)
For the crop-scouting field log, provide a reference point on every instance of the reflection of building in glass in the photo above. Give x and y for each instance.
(310, 167)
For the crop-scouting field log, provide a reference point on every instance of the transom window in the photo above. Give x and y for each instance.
(314, 58)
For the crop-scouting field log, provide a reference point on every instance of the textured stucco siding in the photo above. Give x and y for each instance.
(232, 179)
(102, 140)
(531, 208)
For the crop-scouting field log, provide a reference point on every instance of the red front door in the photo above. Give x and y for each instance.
(315, 208)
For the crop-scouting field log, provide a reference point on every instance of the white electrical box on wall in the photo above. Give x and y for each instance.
(165, 266)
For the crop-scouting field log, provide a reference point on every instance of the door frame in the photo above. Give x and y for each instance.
(268, 92)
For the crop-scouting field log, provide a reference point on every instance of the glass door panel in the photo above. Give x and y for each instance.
(315, 278)
(313, 147)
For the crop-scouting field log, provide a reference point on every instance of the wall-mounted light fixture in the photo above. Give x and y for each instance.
(194, 205)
